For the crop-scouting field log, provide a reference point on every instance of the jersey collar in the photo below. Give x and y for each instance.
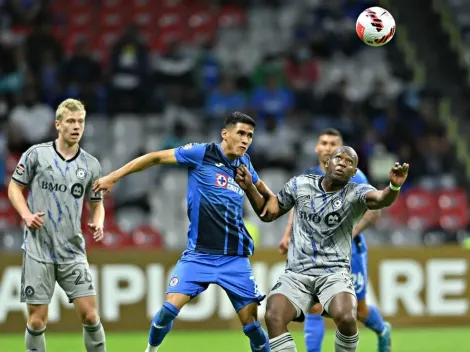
(62, 157)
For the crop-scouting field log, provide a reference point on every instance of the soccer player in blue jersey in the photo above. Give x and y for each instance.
(218, 242)
(329, 140)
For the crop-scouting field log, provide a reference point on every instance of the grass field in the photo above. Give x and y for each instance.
(409, 340)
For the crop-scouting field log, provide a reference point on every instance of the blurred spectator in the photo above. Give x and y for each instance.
(50, 78)
(272, 99)
(225, 100)
(129, 68)
(335, 102)
(31, 122)
(174, 72)
(271, 66)
(81, 76)
(24, 11)
(301, 72)
(178, 138)
(377, 101)
(208, 68)
(268, 151)
(39, 41)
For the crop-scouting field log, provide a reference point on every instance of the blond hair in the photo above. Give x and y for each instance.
(69, 105)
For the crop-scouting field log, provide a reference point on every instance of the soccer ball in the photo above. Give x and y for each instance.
(375, 26)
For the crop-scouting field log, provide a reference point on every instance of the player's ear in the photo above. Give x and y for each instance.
(355, 172)
(57, 125)
(224, 133)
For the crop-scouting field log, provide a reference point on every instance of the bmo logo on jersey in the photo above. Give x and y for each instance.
(332, 219)
(53, 187)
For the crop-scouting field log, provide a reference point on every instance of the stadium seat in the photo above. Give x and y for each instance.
(231, 16)
(114, 237)
(147, 237)
(422, 208)
(453, 209)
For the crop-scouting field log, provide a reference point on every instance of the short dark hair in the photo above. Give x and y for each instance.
(238, 117)
(331, 132)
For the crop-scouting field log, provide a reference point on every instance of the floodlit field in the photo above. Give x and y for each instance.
(404, 340)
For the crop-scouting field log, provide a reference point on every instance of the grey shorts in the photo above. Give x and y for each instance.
(38, 280)
(304, 291)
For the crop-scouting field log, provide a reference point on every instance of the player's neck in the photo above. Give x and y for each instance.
(225, 150)
(67, 150)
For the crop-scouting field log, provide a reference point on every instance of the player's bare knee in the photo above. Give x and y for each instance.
(274, 318)
(90, 317)
(346, 323)
(177, 299)
(37, 322)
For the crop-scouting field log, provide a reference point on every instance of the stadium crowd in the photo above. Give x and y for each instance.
(156, 75)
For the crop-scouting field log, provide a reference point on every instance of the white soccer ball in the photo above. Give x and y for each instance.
(375, 26)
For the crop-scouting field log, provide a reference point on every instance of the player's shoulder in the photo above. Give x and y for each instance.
(309, 177)
(359, 177)
(89, 158)
(36, 148)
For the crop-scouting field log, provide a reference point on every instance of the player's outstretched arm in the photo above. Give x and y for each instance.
(15, 194)
(381, 199)
(267, 209)
(141, 163)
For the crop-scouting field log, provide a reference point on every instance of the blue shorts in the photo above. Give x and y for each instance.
(359, 274)
(195, 271)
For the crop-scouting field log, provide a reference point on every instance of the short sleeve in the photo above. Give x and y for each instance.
(286, 196)
(361, 191)
(96, 173)
(254, 174)
(26, 167)
(191, 154)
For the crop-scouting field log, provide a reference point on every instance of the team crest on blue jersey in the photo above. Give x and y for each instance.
(337, 203)
(188, 146)
(174, 281)
(221, 180)
(81, 173)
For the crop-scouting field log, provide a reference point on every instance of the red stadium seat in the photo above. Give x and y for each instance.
(147, 236)
(202, 25)
(453, 209)
(81, 20)
(231, 16)
(159, 42)
(112, 21)
(422, 208)
(397, 211)
(114, 237)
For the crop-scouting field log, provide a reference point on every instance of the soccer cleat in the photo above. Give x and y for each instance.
(385, 339)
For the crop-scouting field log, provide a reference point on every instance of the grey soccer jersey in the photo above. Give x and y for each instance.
(323, 223)
(57, 187)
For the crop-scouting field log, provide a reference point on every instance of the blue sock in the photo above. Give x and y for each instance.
(314, 331)
(259, 340)
(162, 323)
(374, 320)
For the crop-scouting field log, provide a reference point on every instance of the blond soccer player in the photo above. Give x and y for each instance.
(59, 175)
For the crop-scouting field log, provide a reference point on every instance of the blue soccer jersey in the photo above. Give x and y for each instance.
(215, 201)
(359, 243)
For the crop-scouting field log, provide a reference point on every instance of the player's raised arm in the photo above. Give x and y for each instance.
(381, 199)
(278, 206)
(190, 155)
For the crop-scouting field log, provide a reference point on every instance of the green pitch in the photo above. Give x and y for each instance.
(409, 340)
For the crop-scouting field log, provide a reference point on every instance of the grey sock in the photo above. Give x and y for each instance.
(94, 338)
(284, 343)
(35, 340)
(346, 343)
